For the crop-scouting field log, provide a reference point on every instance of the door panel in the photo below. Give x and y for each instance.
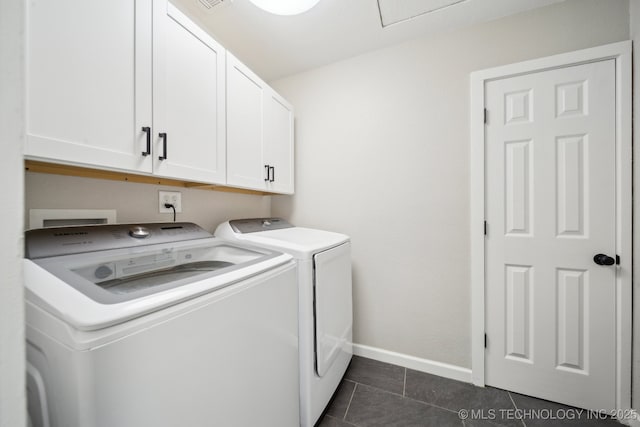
(572, 308)
(518, 182)
(333, 318)
(570, 185)
(189, 93)
(88, 78)
(519, 323)
(278, 139)
(550, 208)
(245, 112)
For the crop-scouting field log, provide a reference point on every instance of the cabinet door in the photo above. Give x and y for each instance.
(245, 92)
(88, 78)
(188, 104)
(278, 143)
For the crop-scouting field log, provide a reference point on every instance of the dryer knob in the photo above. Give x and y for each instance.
(139, 232)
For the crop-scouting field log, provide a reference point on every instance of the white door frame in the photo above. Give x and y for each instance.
(621, 53)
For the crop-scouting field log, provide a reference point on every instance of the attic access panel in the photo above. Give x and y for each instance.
(394, 11)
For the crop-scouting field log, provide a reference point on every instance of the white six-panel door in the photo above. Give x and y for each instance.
(550, 208)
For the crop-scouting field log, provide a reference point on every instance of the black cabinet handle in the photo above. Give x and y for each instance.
(147, 130)
(164, 145)
(273, 173)
(266, 169)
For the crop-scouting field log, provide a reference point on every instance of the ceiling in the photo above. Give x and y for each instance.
(277, 46)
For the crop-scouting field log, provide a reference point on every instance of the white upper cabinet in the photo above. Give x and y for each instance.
(188, 99)
(278, 143)
(259, 133)
(100, 95)
(88, 76)
(245, 105)
(136, 86)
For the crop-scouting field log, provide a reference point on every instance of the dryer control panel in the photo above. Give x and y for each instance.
(253, 225)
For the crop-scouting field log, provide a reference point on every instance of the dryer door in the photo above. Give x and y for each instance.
(332, 287)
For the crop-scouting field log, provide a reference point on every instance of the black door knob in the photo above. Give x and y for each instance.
(602, 259)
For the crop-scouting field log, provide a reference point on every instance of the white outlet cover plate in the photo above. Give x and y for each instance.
(173, 197)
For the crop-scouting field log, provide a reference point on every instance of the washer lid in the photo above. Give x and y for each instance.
(94, 290)
(300, 242)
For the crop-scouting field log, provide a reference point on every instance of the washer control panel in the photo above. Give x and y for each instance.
(254, 225)
(56, 241)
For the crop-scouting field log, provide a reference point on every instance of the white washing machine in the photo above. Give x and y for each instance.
(158, 325)
(325, 301)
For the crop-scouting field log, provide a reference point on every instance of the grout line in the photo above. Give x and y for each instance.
(404, 386)
(344, 421)
(379, 388)
(403, 396)
(455, 411)
(344, 417)
(431, 404)
(515, 406)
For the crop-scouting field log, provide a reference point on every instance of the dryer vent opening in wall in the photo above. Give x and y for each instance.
(210, 6)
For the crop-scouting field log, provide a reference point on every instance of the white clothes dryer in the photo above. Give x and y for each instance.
(325, 301)
(158, 325)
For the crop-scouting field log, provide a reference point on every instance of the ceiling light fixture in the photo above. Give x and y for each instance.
(285, 7)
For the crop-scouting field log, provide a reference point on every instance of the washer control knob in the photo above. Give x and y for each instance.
(139, 232)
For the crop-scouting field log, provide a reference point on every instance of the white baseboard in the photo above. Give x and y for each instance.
(444, 370)
(423, 365)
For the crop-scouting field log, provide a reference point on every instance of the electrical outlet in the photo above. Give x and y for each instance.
(172, 197)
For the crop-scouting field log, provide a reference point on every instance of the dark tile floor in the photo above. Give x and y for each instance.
(373, 393)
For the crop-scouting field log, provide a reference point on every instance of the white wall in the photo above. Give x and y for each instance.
(382, 155)
(634, 9)
(139, 202)
(12, 366)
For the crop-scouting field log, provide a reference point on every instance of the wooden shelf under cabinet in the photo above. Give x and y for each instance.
(59, 169)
